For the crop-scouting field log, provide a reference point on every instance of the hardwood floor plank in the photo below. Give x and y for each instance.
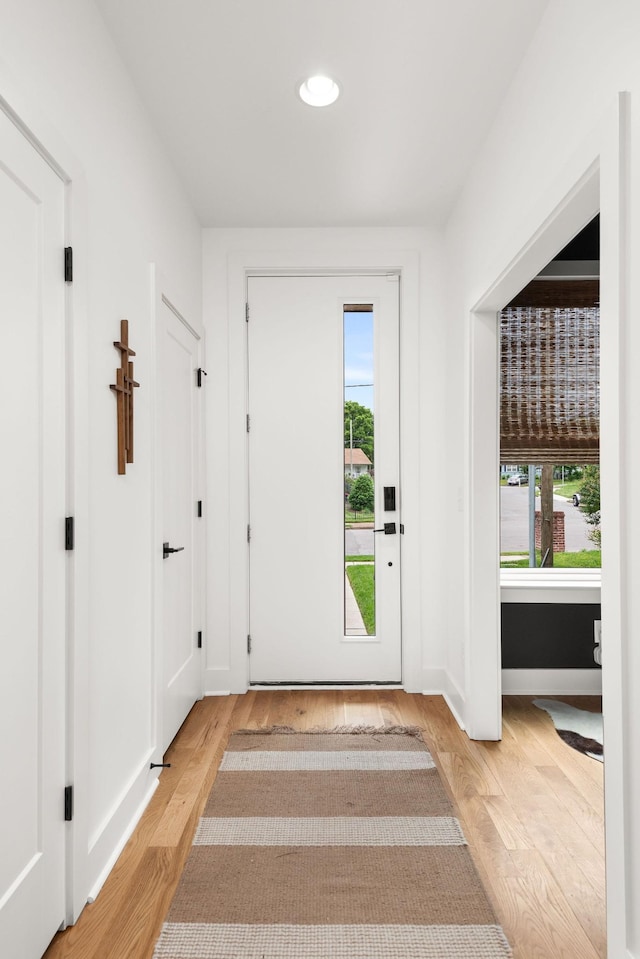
(442, 731)
(508, 823)
(196, 778)
(468, 775)
(259, 713)
(395, 713)
(243, 705)
(489, 851)
(536, 915)
(362, 708)
(514, 773)
(140, 921)
(573, 809)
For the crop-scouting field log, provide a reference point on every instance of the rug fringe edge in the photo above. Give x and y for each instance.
(333, 731)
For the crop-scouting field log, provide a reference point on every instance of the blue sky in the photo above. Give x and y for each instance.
(358, 357)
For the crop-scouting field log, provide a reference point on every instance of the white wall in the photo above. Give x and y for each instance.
(60, 74)
(226, 253)
(560, 120)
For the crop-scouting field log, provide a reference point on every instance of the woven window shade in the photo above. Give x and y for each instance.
(549, 385)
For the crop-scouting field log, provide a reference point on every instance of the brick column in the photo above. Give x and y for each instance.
(558, 530)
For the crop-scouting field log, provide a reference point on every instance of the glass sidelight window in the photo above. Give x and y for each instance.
(359, 467)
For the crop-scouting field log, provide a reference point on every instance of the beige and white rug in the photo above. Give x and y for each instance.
(335, 845)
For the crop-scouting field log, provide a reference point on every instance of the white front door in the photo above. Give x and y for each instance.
(33, 564)
(308, 624)
(178, 355)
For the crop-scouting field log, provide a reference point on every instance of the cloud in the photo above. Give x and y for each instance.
(359, 368)
(358, 374)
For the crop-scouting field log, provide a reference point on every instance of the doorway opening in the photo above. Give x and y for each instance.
(549, 481)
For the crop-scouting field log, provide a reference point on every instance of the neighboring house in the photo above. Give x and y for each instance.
(356, 462)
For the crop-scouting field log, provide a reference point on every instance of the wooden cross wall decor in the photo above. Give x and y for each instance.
(123, 388)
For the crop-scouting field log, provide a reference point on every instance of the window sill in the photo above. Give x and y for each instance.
(550, 585)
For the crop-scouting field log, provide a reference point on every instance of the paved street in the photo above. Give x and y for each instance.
(358, 542)
(514, 513)
(514, 507)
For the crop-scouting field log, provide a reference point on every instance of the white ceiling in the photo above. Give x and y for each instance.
(422, 81)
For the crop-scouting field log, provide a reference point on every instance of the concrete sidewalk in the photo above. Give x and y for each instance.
(353, 622)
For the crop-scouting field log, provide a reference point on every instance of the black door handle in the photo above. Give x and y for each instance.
(166, 549)
(388, 529)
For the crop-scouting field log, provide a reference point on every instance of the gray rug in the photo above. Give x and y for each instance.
(578, 728)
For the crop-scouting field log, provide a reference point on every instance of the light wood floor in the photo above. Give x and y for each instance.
(531, 808)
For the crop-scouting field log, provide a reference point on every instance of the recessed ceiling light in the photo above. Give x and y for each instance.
(319, 91)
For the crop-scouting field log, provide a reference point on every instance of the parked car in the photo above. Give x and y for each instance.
(518, 479)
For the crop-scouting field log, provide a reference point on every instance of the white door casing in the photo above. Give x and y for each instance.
(178, 362)
(33, 579)
(296, 469)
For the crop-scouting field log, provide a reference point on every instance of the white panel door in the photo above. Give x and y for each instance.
(299, 599)
(178, 348)
(33, 560)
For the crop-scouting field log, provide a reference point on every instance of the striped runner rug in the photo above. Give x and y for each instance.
(329, 845)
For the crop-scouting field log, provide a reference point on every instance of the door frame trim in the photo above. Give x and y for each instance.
(232, 668)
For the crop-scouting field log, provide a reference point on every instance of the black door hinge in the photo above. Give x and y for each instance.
(249, 643)
(199, 639)
(248, 423)
(68, 264)
(200, 373)
(69, 533)
(246, 312)
(199, 508)
(68, 803)
(248, 534)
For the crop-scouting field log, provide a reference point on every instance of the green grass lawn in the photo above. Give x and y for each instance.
(359, 559)
(363, 586)
(567, 489)
(585, 559)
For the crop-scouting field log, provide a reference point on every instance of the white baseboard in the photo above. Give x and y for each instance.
(217, 692)
(111, 861)
(453, 706)
(552, 682)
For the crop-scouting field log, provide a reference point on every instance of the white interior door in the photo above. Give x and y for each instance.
(32, 580)
(178, 354)
(301, 604)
